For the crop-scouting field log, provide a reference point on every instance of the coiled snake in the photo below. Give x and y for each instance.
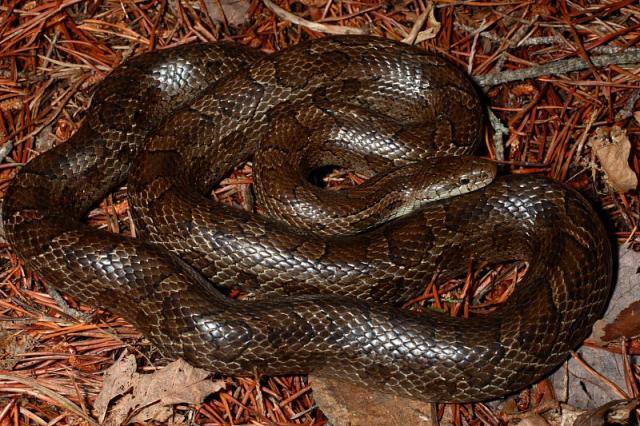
(371, 103)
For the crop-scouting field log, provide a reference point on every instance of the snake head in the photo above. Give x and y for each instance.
(415, 185)
(446, 177)
(466, 174)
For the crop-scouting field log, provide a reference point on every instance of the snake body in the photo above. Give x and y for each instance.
(204, 108)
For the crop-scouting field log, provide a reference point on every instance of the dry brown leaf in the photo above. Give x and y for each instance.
(235, 11)
(128, 397)
(612, 148)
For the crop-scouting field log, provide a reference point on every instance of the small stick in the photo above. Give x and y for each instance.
(411, 38)
(323, 28)
(600, 376)
(417, 36)
(629, 56)
(628, 109)
(72, 312)
(500, 130)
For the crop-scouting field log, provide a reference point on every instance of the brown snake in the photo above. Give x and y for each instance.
(378, 104)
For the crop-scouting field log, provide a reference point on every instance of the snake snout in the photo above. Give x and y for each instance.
(453, 176)
(481, 172)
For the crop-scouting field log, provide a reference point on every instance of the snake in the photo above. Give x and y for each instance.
(325, 298)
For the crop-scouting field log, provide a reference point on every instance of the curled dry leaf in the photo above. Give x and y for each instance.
(612, 148)
(315, 26)
(619, 412)
(128, 397)
(433, 28)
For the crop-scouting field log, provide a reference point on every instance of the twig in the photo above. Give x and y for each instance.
(629, 56)
(66, 308)
(500, 130)
(614, 387)
(323, 28)
(534, 41)
(531, 41)
(472, 54)
(417, 36)
(628, 109)
(513, 41)
(6, 148)
(303, 412)
(411, 38)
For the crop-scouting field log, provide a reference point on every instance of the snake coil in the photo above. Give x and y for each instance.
(381, 105)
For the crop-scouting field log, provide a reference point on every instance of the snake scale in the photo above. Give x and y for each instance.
(381, 105)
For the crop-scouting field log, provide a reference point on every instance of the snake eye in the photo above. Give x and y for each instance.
(465, 180)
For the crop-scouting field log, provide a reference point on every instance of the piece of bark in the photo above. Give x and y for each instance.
(346, 404)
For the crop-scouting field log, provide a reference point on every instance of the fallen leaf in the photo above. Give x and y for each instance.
(128, 397)
(612, 148)
(618, 412)
(235, 11)
(566, 416)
